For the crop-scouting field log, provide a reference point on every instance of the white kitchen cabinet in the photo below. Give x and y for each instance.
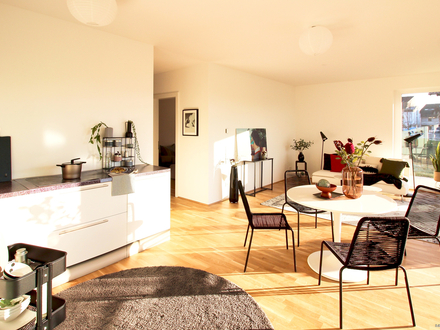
(148, 211)
(38, 218)
(94, 228)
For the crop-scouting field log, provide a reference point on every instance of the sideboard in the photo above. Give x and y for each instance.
(83, 219)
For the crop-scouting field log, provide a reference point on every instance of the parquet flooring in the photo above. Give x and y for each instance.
(210, 237)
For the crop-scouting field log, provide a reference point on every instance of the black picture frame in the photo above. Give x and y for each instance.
(190, 122)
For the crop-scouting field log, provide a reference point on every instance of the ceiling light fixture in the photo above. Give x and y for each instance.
(93, 12)
(316, 40)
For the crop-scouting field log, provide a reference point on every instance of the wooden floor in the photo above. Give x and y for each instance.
(211, 238)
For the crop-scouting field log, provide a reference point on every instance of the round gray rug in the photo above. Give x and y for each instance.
(161, 298)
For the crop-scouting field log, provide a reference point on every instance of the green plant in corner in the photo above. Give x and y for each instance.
(435, 159)
(95, 137)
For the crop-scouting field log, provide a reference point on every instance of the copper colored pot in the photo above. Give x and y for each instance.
(71, 170)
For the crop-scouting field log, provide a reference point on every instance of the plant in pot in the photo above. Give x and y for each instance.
(95, 136)
(301, 145)
(435, 159)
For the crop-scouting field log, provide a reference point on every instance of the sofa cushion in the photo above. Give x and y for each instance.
(336, 165)
(369, 169)
(393, 167)
(327, 162)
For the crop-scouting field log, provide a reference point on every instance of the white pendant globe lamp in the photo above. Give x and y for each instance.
(316, 40)
(93, 12)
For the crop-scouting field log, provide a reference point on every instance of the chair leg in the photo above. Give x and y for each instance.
(320, 263)
(287, 242)
(397, 277)
(294, 253)
(298, 228)
(247, 232)
(316, 219)
(249, 250)
(333, 231)
(340, 297)
(409, 297)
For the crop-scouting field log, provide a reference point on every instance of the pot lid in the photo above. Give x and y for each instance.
(72, 162)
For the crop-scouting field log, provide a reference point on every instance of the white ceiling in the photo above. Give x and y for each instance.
(371, 38)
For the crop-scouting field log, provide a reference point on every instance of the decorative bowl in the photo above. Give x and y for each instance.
(11, 313)
(326, 192)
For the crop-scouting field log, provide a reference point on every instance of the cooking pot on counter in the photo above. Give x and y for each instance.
(72, 170)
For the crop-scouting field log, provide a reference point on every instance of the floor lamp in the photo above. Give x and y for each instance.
(410, 140)
(323, 137)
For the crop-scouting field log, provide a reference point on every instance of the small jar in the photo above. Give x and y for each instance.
(117, 157)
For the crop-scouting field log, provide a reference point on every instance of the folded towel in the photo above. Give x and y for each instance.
(122, 184)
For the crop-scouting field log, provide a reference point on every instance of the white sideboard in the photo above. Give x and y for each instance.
(88, 222)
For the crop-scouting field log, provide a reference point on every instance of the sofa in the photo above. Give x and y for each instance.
(385, 173)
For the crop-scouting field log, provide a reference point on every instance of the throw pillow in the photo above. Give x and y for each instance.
(369, 169)
(336, 165)
(327, 163)
(392, 167)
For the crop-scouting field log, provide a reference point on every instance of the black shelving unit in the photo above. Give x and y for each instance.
(46, 264)
(125, 147)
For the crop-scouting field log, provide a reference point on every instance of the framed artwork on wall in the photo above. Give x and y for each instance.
(251, 143)
(190, 122)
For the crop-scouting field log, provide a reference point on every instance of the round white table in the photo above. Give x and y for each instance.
(371, 202)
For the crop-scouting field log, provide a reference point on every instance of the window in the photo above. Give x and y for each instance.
(421, 115)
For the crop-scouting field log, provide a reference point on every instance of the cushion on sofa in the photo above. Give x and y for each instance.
(369, 169)
(393, 167)
(327, 162)
(336, 165)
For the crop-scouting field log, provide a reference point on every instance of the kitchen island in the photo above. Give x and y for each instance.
(82, 218)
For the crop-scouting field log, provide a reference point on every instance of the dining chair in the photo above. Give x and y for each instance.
(424, 213)
(264, 221)
(377, 244)
(295, 178)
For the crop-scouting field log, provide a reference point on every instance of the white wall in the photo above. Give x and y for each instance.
(192, 163)
(226, 99)
(356, 109)
(58, 79)
(241, 100)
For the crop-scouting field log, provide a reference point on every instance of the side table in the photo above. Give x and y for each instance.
(255, 175)
(301, 162)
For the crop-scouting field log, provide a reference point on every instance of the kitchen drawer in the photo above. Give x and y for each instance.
(30, 218)
(91, 239)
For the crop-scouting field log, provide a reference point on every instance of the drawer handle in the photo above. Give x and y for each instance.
(94, 187)
(80, 227)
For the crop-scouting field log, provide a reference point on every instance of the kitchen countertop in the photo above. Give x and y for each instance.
(39, 184)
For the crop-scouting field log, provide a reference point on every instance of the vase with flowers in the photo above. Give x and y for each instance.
(301, 145)
(351, 155)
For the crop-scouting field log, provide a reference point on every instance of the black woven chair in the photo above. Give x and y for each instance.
(424, 213)
(377, 244)
(295, 178)
(264, 221)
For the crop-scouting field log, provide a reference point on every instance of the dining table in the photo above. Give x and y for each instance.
(372, 202)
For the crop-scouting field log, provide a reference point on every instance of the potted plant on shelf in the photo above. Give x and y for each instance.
(301, 145)
(435, 159)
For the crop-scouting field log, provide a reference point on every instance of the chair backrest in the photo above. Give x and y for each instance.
(295, 178)
(378, 243)
(424, 209)
(245, 201)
